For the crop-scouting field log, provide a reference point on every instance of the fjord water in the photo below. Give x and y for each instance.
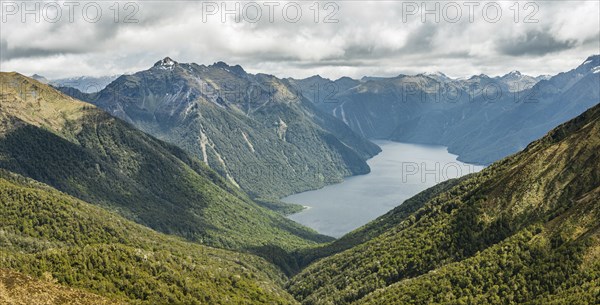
(399, 172)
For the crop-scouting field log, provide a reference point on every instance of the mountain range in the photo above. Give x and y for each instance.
(481, 119)
(85, 84)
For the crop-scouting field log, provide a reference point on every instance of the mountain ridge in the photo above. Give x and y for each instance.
(481, 119)
(252, 129)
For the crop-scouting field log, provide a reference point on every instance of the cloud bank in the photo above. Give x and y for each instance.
(299, 39)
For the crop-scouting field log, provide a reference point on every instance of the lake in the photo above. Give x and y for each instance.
(399, 172)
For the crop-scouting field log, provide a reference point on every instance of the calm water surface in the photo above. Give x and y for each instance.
(400, 171)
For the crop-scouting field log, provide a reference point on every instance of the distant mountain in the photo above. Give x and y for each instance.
(374, 106)
(83, 151)
(85, 84)
(255, 130)
(480, 118)
(524, 230)
(518, 82)
(323, 91)
(439, 76)
(40, 78)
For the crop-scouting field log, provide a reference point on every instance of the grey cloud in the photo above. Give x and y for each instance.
(418, 41)
(421, 39)
(8, 53)
(358, 51)
(369, 37)
(333, 63)
(534, 43)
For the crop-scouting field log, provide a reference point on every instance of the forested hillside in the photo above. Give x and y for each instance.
(64, 241)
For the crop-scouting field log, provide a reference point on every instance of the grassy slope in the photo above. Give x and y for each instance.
(19, 289)
(508, 204)
(47, 233)
(82, 151)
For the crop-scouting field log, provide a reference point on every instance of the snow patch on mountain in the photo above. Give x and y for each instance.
(166, 64)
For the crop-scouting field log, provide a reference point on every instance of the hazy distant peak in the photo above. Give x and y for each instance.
(437, 75)
(543, 77)
(237, 69)
(514, 75)
(592, 58)
(345, 78)
(592, 63)
(316, 77)
(40, 78)
(480, 76)
(86, 84)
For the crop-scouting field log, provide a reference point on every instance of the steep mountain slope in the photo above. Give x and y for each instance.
(253, 129)
(46, 233)
(525, 229)
(481, 119)
(81, 150)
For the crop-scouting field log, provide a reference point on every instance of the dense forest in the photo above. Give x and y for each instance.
(49, 234)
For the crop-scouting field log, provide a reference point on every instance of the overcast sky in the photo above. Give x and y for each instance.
(351, 38)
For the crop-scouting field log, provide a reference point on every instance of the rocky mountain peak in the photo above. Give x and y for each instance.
(166, 62)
